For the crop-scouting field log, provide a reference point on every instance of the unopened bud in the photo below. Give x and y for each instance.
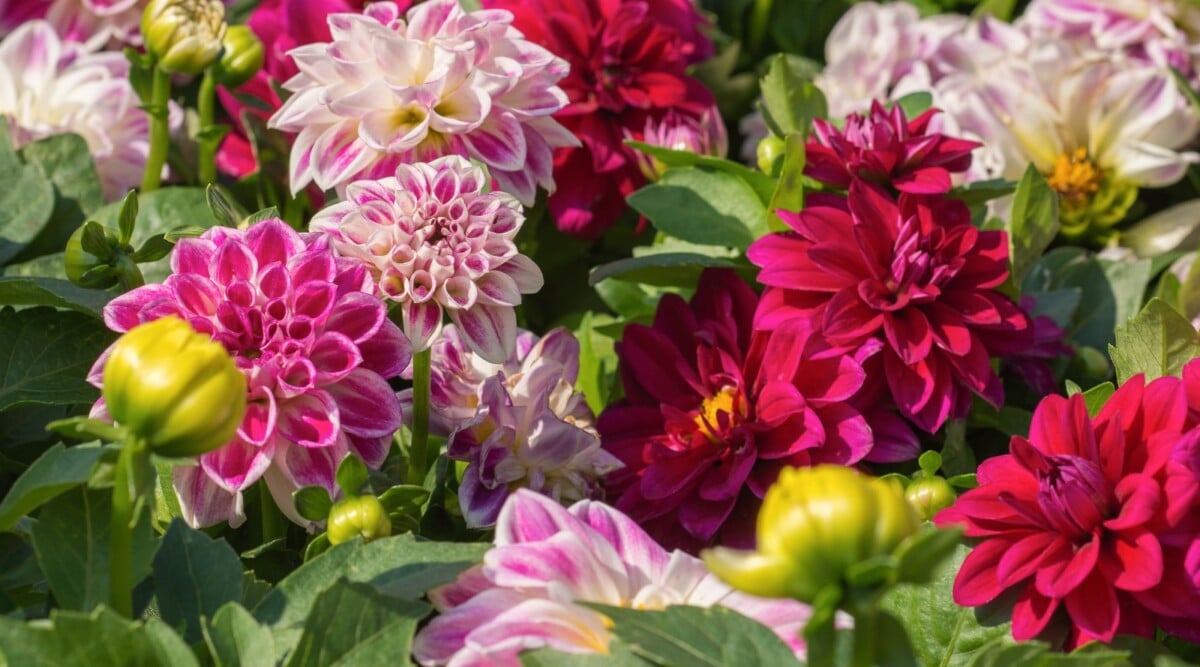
(184, 36)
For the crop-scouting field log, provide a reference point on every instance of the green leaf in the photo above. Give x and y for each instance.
(25, 207)
(1033, 222)
(667, 269)
(761, 183)
(265, 214)
(352, 624)
(351, 475)
(980, 192)
(71, 538)
(1157, 342)
(1097, 396)
(789, 193)
(921, 554)
(100, 639)
(403, 496)
(790, 100)
(705, 207)
(127, 217)
(915, 104)
(1001, 9)
(52, 292)
(930, 462)
(597, 362)
(226, 212)
(45, 356)
(1128, 281)
(287, 605)
(942, 632)
(194, 576)
(161, 212)
(235, 639)
(66, 162)
(1039, 654)
(694, 636)
(57, 471)
(312, 502)
(619, 655)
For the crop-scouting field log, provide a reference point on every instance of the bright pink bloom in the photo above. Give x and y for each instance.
(628, 61)
(913, 280)
(1083, 520)
(702, 135)
(389, 90)
(316, 347)
(547, 560)
(886, 149)
(712, 412)
(436, 241)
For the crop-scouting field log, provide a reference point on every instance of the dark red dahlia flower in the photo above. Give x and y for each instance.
(885, 148)
(912, 279)
(712, 412)
(1087, 520)
(627, 67)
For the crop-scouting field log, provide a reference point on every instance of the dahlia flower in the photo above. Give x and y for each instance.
(316, 348)
(436, 241)
(1082, 520)
(529, 429)
(388, 91)
(546, 561)
(96, 24)
(912, 280)
(49, 87)
(703, 135)
(628, 61)
(712, 413)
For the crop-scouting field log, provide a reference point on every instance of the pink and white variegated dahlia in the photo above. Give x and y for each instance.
(316, 347)
(436, 241)
(49, 86)
(97, 24)
(389, 90)
(546, 561)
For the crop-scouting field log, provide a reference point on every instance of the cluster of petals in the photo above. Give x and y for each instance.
(702, 135)
(548, 559)
(627, 68)
(713, 411)
(390, 89)
(49, 86)
(437, 242)
(316, 348)
(95, 24)
(1092, 521)
(519, 424)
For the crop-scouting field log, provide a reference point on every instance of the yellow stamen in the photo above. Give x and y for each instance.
(1075, 177)
(729, 400)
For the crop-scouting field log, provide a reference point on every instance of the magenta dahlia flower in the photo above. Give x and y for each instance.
(912, 279)
(712, 413)
(390, 90)
(546, 561)
(316, 347)
(1082, 521)
(628, 61)
(435, 240)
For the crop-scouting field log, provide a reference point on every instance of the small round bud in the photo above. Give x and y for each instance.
(85, 268)
(930, 495)
(241, 57)
(174, 388)
(184, 36)
(769, 152)
(357, 516)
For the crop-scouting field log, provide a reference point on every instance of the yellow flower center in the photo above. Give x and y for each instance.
(728, 401)
(1075, 177)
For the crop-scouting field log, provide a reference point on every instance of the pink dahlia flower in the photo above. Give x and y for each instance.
(529, 429)
(316, 347)
(435, 240)
(712, 413)
(96, 24)
(388, 91)
(703, 135)
(628, 60)
(546, 561)
(1082, 521)
(912, 280)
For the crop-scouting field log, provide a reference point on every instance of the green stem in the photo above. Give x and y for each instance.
(419, 449)
(125, 494)
(866, 622)
(273, 521)
(207, 168)
(160, 138)
(760, 19)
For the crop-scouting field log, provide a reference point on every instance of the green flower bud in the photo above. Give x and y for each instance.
(174, 388)
(814, 524)
(357, 516)
(241, 57)
(184, 36)
(770, 151)
(95, 258)
(930, 495)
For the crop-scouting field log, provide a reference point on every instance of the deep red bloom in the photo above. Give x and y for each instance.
(885, 148)
(712, 412)
(912, 279)
(1087, 519)
(627, 66)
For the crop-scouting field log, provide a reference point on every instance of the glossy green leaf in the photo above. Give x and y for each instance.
(194, 575)
(704, 207)
(1157, 342)
(353, 624)
(790, 99)
(1033, 222)
(45, 356)
(20, 291)
(235, 639)
(99, 639)
(57, 471)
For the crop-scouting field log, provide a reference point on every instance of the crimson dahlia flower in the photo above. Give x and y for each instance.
(1087, 520)
(912, 280)
(628, 61)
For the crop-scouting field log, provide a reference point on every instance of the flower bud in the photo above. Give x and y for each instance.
(814, 524)
(930, 495)
(184, 36)
(95, 258)
(357, 516)
(241, 57)
(174, 388)
(769, 152)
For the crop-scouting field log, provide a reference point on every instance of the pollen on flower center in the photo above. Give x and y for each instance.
(729, 402)
(1076, 177)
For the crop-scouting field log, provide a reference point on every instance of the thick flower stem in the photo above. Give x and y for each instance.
(207, 167)
(866, 617)
(273, 526)
(134, 456)
(418, 450)
(160, 138)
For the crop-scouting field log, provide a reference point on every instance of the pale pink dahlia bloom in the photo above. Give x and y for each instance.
(436, 241)
(96, 24)
(528, 428)
(316, 347)
(703, 135)
(546, 561)
(49, 87)
(388, 91)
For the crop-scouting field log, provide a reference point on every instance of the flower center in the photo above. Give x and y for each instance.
(1074, 495)
(1076, 178)
(720, 412)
